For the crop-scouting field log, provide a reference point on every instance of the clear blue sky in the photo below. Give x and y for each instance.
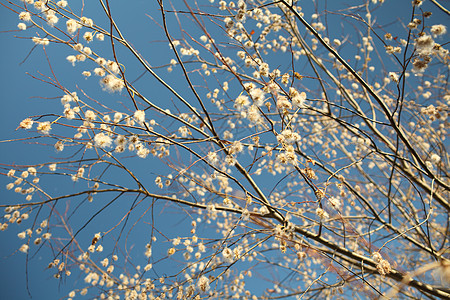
(22, 96)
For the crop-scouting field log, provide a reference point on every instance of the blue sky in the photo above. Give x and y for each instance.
(23, 96)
